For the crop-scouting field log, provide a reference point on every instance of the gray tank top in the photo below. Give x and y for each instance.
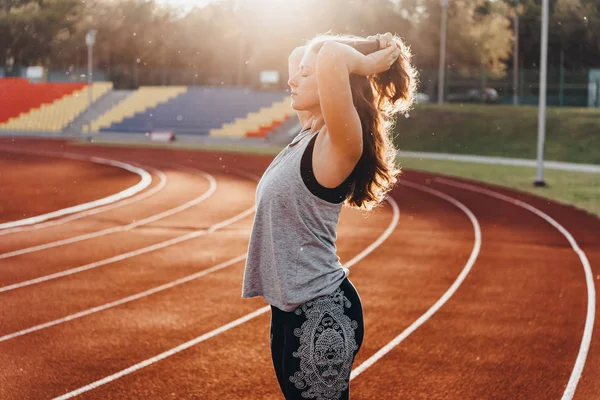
(292, 254)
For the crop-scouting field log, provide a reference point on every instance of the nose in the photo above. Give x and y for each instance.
(292, 81)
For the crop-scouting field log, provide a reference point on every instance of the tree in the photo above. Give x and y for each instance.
(574, 30)
(28, 28)
(142, 42)
(478, 35)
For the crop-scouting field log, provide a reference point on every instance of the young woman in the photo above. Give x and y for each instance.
(345, 90)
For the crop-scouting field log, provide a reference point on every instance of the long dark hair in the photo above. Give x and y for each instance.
(378, 99)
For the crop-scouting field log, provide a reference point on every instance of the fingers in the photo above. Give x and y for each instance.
(392, 52)
(385, 39)
(393, 49)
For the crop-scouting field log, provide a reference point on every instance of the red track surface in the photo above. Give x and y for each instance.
(512, 330)
(49, 183)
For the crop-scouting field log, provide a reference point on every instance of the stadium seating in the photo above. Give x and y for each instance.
(256, 124)
(55, 115)
(212, 110)
(146, 97)
(201, 111)
(21, 96)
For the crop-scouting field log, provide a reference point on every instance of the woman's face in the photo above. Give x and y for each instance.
(303, 83)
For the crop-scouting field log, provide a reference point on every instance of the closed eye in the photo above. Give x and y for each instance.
(305, 70)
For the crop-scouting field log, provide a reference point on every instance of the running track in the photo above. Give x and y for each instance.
(469, 291)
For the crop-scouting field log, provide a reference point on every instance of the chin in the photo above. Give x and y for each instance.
(302, 106)
(297, 106)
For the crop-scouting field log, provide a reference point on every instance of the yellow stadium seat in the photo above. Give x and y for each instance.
(143, 98)
(56, 116)
(255, 122)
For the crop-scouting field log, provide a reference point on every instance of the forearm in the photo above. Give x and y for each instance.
(362, 45)
(338, 57)
(341, 58)
(334, 64)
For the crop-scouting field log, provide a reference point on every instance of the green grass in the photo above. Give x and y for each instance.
(572, 134)
(579, 189)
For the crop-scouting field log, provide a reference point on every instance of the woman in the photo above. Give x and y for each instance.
(345, 91)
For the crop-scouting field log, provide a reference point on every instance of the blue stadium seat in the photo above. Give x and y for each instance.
(198, 110)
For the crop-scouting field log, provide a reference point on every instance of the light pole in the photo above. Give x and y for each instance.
(90, 40)
(442, 66)
(516, 55)
(539, 181)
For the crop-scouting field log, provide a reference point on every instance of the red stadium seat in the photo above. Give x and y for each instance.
(18, 95)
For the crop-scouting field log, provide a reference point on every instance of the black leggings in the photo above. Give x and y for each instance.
(313, 347)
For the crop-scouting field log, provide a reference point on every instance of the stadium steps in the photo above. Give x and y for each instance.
(109, 100)
(55, 116)
(197, 111)
(19, 95)
(140, 100)
(256, 124)
(283, 134)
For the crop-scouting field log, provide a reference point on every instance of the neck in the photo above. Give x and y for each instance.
(317, 122)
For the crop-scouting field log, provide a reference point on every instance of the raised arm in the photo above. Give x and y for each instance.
(335, 62)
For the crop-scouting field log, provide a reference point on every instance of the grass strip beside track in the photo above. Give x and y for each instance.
(572, 134)
(579, 189)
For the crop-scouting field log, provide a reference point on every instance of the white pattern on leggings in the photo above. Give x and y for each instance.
(327, 347)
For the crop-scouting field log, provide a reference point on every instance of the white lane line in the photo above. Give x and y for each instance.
(98, 210)
(121, 228)
(145, 181)
(129, 254)
(589, 277)
(232, 324)
(164, 355)
(442, 300)
(127, 299)
(134, 253)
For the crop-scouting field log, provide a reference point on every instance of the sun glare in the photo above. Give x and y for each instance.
(185, 4)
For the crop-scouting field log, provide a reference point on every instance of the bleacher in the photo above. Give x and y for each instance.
(200, 110)
(46, 107)
(228, 112)
(19, 96)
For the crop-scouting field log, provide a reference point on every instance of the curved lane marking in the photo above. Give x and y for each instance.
(442, 300)
(120, 228)
(72, 217)
(124, 300)
(589, 277)
(232, 324)
(127, 299)
(123, 256)
(145, 181)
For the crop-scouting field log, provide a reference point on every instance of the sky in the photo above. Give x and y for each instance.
(185, 4)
